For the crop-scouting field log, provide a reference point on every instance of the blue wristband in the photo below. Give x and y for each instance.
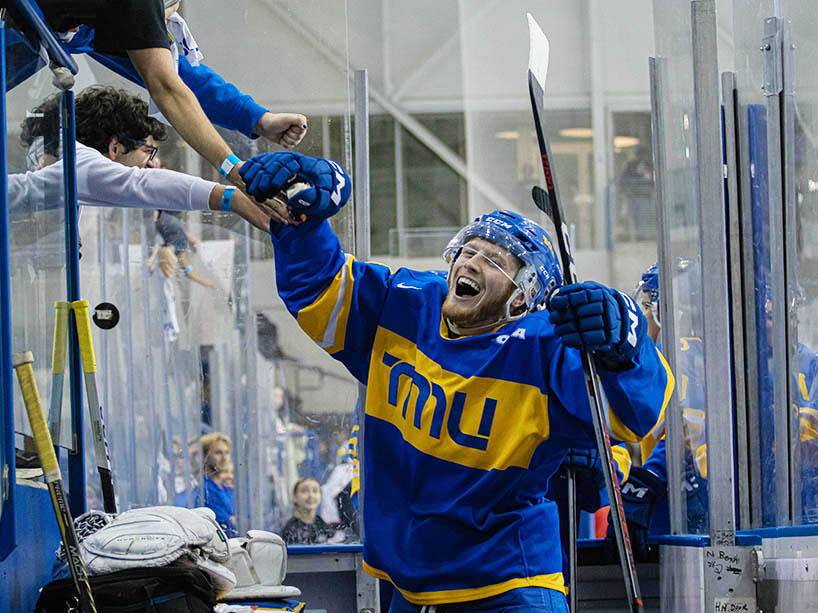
(188, 269)
(230, 161)
(227, 198)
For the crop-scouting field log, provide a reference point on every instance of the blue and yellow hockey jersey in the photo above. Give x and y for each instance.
(461, 435)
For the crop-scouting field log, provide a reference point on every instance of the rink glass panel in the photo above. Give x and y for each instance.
(232, 360)
(37, 252)
(632, 185)
(803, 287)
(767, 313)
(673, 36)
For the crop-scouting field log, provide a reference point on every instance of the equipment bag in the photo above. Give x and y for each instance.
(168, 589)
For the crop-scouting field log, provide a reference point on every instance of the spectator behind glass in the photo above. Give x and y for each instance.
(194, 457)
(172, 255)
(139, 29)
(214, 494)
(305, 526)
(227, 475)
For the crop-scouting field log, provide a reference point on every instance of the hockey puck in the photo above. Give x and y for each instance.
(106, 315)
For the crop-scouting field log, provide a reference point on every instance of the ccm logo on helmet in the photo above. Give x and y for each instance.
(499, 222)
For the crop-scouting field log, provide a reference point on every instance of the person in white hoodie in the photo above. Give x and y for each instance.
(116, 146)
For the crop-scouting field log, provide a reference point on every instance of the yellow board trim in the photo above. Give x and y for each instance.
(552, 581)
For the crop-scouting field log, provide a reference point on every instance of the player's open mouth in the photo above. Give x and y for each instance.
(465, 287)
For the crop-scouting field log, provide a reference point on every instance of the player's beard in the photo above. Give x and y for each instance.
(486, 312)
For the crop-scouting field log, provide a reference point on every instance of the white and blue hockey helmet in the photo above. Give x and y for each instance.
(539, 272)
(649, 283)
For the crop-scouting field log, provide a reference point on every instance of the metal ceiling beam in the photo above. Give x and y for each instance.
(412, 125)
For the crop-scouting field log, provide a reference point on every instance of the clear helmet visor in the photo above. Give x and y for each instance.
(503, 245)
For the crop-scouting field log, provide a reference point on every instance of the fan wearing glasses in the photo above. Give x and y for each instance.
(116, 162)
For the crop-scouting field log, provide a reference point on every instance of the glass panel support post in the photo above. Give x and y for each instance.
(76, 459)
(362, 242)
(790, 253)
(736, 272)
(713, 232)
(7, 473)
(771, 47)
(674, 432)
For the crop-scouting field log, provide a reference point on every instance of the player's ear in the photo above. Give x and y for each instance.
(114, 147)
(518, 303)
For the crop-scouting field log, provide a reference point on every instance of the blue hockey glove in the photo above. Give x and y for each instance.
(327, 184)
(698, 502)
(599, 319)
(640, 493)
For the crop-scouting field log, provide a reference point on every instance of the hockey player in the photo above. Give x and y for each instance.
(644, 494)
(474, 393)
(644, 498)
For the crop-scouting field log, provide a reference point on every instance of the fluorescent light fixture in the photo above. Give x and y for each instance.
(623, 142)
(508, 135)
(577, 133)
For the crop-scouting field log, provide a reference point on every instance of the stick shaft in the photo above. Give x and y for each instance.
(603, 441)
(572, 539)
(89, 366)
(53, 478)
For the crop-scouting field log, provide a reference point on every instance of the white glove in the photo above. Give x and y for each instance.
(158, 536)
(260, 565)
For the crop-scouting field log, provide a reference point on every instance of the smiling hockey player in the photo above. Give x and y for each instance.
(474, 393)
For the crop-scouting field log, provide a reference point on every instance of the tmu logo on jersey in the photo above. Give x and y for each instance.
(425, 389)
(480, 421)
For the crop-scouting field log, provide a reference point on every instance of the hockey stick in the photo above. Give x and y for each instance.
(58, 368)
(548, 202)
(89, 366)
(572, 539)
(51, 471)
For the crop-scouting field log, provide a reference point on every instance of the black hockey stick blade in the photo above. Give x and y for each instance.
(537, 71)
(542, 202)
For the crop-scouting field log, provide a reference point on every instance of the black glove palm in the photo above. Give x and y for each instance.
(640, 493)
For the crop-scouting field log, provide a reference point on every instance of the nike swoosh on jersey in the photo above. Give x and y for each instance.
(403, 285)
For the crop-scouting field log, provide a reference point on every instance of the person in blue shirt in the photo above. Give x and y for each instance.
(135, 39)
(475, 392)
(216, 491)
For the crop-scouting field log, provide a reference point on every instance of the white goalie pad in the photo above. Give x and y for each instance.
(259, 563)
(158, 536)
